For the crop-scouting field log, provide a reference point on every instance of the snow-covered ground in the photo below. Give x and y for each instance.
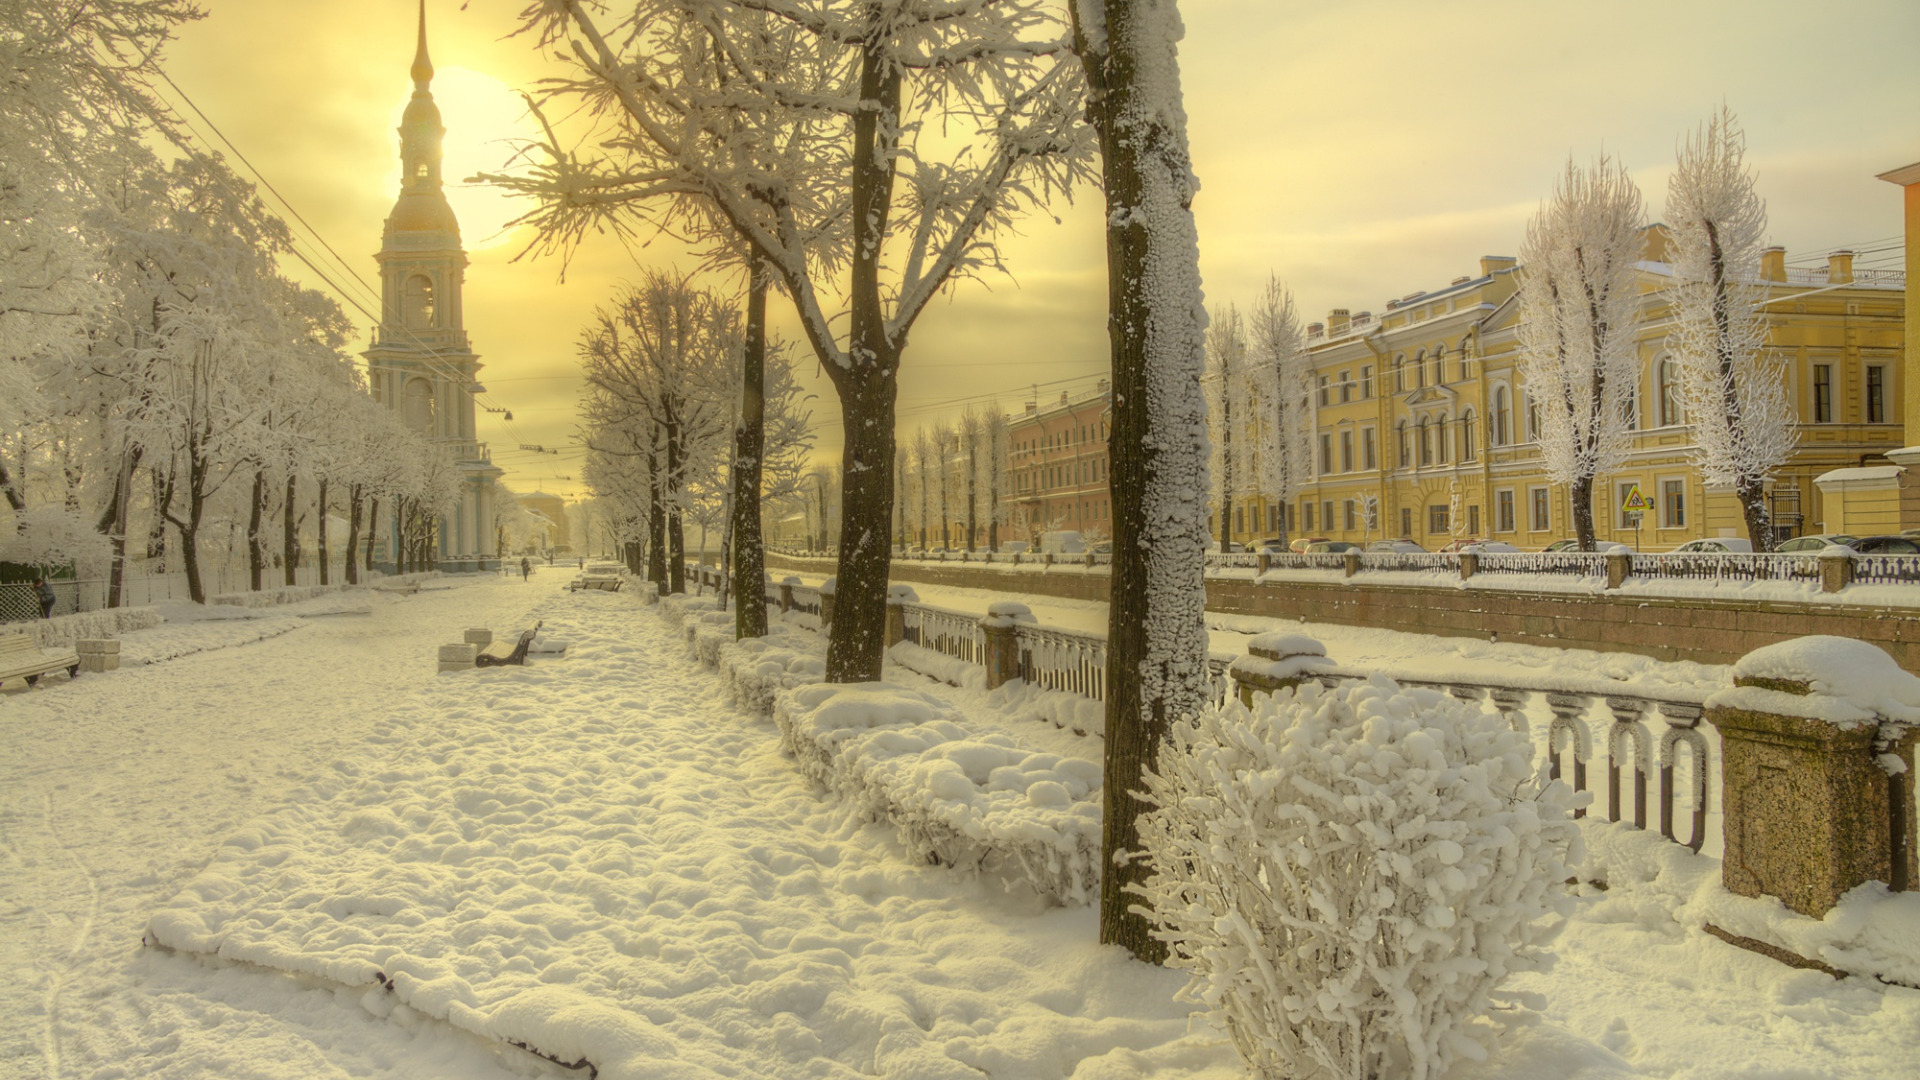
(598, 852)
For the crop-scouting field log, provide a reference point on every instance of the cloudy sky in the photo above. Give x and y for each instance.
(1358, 150)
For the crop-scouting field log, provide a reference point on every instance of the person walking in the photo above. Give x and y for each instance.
(43, 592)
(526, 568)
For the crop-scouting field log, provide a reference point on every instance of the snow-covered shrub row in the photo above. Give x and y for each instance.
(756, 670)
(1349, 874)
(977, 803)
(938, 665)
(62, 632)
(290, 594)
(1067, 711)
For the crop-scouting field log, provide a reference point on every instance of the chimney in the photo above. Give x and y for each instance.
(1654, 241)
(1063, 397)
(1393, 305)
(1337, 322)
(1493, 264)
(1316, 329)
(1104, 386)
(1773, 264)
(1032, 407)
(1839, 267)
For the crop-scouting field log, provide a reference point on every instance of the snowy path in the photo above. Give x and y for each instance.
(118, 788)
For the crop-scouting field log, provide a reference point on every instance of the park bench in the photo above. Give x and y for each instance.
(20, 656)
(399, 588)
(603, 582)
(498, 655)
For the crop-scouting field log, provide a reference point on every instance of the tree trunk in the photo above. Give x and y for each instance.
(290, 532)
(857, 639)
(320, 533)
(256, 549)
(1752, 494)
(353, 533)
(676, 527)
(162, 502)
(749, 558)
(114, 523)
(1156, 633)
(973, 488)
(1581, 492)
(656, 520)
(373, 524)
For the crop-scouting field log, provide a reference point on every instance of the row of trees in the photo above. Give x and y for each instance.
(952, 482)
(1580, 302)
(1257, 382)
(161, 381)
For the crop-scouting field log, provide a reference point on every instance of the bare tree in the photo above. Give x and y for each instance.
(1282, 378)
(1578, 303)
(1732, 388)
(971, 434)
(1156, 321)
(998, 510)
(1228, 383)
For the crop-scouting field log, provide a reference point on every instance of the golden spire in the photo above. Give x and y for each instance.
(422, 66)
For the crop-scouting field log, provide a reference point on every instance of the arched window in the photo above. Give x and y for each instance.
(1669, 391)
(1399, 375)
(1630, 408)
(1501, 430)
(417, 406)
(418, 310)
(1468, 451)
(1440, 438)
(1420, 368)
(1426, 443)
(1406, 452)
(1533, 420)
(1466, 360)
(1439, 365)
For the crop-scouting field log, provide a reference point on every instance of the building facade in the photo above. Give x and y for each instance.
(1057, 466)
(420, 363)
(1422, 428)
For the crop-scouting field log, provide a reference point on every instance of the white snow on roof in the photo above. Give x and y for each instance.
(1868, 472)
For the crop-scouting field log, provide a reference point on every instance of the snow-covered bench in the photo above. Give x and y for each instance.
(20, 657)
(498, 655)
(399, 588)
(603, 582)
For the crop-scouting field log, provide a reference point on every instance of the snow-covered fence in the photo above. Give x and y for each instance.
(1730, 566)
(1882, 569)
(1576, 563)
(1414, 561)
(950, 633)
(1062, 660)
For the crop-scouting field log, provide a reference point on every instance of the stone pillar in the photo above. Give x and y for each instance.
(1619, 565)
(457, 657)
(479, 636)
(1811, 809)
(827, 589)
(1469, 564)
(1836, 567)
(98, 654)
(1003, 640)
(786, 592)
(1352, 559)
(1276, 662)
(898, 597)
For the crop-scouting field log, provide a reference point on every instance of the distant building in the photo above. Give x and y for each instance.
(554, 509)
(1423, 428)
(1057, 465)
(420, 364)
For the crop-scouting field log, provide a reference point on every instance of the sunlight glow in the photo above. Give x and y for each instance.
(485, 120)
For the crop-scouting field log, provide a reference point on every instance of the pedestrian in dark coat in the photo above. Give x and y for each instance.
(526, 568)
(43, 592)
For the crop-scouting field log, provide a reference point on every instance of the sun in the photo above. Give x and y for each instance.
(486, 122)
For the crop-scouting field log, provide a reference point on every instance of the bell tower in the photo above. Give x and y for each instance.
(420, 364)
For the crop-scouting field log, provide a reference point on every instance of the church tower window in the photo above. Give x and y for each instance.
(419, 309)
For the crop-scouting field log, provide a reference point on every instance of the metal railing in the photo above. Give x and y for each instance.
(950, 633)
(1883, 569)
(1732, 566)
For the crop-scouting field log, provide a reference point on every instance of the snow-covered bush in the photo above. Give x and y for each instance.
(1349, 874)
(62, 632)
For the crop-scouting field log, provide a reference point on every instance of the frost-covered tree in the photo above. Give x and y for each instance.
(971, 434)
(1229, 383)
(945, 479)
(997, 509)
(1283, 385)
(1578, 303)
(869, 153)
(1732, 387)
(1156, 323)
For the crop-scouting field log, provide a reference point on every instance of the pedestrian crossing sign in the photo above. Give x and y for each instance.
(1636, 500)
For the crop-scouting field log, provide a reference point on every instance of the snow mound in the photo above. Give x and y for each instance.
(1855, 681)
(977, 803)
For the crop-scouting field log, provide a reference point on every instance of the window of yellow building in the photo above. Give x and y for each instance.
(1503, 510)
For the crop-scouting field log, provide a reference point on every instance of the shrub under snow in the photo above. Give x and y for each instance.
(1349, 874)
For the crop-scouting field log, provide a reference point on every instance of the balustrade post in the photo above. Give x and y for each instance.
(827, 588)
(1469, 564)
(1568, 710)
(1628, 728)
(1512, 705)
(1817, 791)
(1261, 560)
(1276, 662)
(1351, 557)
(786, 592)
(1003, 640)
(1683, 721)
(1836, 567)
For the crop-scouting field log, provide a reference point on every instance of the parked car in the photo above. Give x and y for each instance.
(1401, 546)
(1335, 546)
(1013, 547)
(1104, 547)
(1214, 548)
(1886, 545)
(1816, 541)
(1272, 545)
(1463, 545)
(1304, 542)
(1563, 545)
(1491, 547)
(1062, 542)
(1598, 545)
(1715, 545)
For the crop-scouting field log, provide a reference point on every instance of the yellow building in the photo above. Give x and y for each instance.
(1422, 428)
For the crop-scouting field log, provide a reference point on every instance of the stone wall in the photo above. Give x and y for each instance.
(1706, 631)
